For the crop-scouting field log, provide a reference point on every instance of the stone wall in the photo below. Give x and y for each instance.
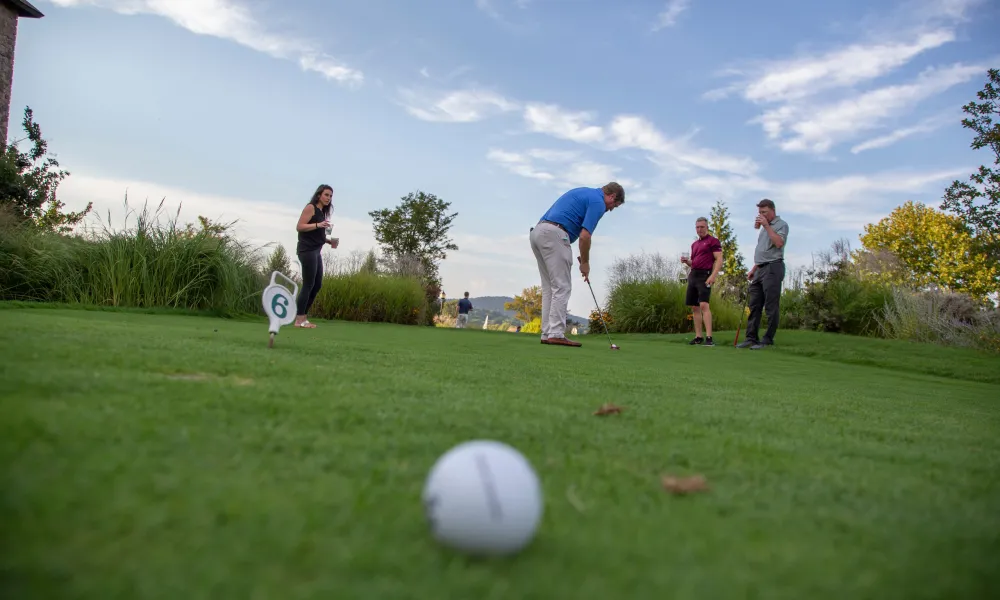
(8, 40)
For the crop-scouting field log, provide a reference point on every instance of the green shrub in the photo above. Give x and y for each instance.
(844, 304)
(368, 297)
(532, 326)
(793, 309)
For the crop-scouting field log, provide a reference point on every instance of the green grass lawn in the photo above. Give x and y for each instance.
(177, 457)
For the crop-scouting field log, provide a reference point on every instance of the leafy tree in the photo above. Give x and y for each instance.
(528, 306)
(934, 248)
(28, 188)
(279, 261)
(978, 203)
(209, 228)
(734, 271)
(370, 264)
(417, 227)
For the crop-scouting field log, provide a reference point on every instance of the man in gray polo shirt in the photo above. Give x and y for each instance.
(766, 276)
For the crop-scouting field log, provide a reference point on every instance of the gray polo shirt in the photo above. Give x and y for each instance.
(766, 251)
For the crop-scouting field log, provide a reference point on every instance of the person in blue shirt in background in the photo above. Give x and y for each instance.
(573, 216)
(464, 306)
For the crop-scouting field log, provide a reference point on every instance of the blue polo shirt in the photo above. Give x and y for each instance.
(577, 209)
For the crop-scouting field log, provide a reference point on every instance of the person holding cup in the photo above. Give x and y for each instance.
(766, 276)
(313, 227)
(705, 261)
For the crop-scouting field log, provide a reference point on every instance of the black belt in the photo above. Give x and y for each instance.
(771, 262)
(554, 223)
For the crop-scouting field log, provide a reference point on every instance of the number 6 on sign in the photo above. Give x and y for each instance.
(279, 305)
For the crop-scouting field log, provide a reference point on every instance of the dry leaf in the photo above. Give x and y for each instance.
(608, 409)
(574, 500)
(684, 485)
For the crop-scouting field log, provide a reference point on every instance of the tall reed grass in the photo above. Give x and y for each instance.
(939, 318)
(142, 264)
(152, 262)
(658, 307)
(647, 297)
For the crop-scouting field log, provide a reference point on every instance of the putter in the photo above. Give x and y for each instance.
(599, 312)
(746, 302)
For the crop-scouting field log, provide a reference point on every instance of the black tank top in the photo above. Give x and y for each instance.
(312, 239)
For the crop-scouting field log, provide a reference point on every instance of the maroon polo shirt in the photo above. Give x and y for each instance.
(702, 250)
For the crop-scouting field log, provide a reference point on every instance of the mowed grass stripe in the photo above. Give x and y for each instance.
(159, 456)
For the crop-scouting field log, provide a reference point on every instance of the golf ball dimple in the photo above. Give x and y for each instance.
(483, 497)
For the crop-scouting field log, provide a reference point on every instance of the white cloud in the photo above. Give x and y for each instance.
(818, 128)
(552, 120)
(816, 102)
(519, 164)
(459, 106)
(631, 131)
(796, 79)
(924, 126)
(228, 20)
(487, 7)
(941, 10)
(670, 13)
(553, 155)
(623, 132)
(563, 169)
(846, 202)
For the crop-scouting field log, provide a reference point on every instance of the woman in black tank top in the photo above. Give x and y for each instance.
(313, 225)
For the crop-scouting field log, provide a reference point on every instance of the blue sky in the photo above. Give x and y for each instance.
(238, 109)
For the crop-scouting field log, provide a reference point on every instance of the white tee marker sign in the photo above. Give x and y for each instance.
(279, 305)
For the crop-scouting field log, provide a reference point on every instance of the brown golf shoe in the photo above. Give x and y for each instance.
(561, 342)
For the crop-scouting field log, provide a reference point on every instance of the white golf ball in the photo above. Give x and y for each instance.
(483, 498)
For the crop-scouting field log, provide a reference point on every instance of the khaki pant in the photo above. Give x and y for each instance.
(554, 254)
(462, 321)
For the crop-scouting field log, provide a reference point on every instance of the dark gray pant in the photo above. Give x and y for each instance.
(312, 280)
(765, 294)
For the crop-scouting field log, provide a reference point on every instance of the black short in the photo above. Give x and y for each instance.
(698, 291)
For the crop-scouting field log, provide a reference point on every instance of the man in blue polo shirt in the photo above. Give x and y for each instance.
(573, 216)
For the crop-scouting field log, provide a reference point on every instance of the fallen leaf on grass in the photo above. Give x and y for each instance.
(684, 485)
(608, 409)
(574, 500)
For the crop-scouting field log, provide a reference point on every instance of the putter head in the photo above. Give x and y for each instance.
(615, 347)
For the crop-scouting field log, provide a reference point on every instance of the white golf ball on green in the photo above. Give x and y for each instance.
(483, 498)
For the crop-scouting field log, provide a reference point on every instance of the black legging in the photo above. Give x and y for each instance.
(312, 280)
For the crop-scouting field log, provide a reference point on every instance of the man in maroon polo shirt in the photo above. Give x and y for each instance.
(705, 262)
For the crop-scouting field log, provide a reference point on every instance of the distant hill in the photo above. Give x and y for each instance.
(493, 306)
